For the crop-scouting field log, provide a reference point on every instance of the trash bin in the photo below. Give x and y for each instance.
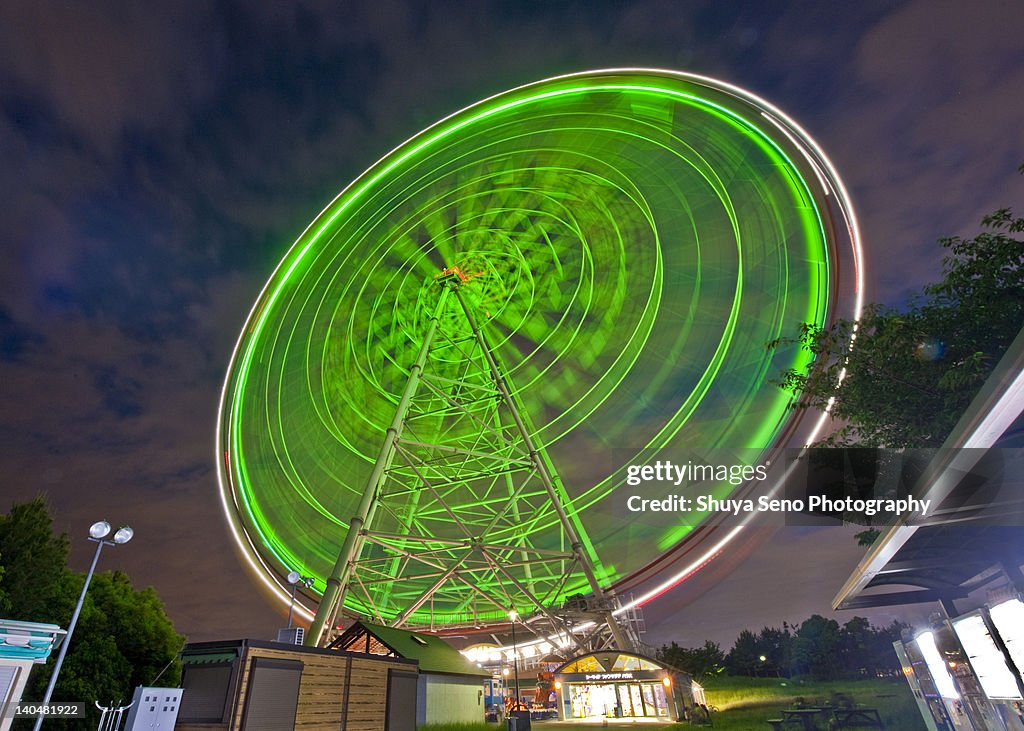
(522, 719)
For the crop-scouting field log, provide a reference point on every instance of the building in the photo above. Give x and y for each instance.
(966, 667)
(250, 685)
(449, 688)
(22, 645)
(371, 678)
(618, 684)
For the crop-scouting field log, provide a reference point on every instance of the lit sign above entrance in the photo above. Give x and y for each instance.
(609, 677)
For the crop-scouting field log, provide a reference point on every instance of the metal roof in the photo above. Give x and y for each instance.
(975, 533)
(432, 653)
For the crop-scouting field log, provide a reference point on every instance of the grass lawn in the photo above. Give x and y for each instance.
(745, 703)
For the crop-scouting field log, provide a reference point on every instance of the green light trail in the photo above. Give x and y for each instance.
(638, 238)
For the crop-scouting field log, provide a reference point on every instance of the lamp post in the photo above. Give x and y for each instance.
(515, 654)
(98, 533)
(295, 578)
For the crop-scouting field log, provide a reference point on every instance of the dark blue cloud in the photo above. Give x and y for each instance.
(15, 338)
(119, 393)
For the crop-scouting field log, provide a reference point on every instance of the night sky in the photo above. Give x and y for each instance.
(157, 159)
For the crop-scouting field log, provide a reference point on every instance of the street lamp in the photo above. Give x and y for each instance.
(295, 578)
(513, 615)
(98, 533)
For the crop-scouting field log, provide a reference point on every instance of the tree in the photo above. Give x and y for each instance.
(816, 648)
(124, 637)
(912, 372)
(145, 635)
(699, 662)
(763, 654)
(856, 640)
(33, 562)
(776, 646)
(745, 656)
(880, 656)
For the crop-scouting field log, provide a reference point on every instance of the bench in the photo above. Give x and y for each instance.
(855, 718)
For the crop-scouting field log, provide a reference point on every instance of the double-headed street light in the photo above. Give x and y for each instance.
(98, 533)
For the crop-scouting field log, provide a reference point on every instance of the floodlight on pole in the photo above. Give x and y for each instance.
(295, 578)
(513, 615)
(98, 533)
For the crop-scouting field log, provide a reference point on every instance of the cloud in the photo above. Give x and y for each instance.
(160, 158)
(930, 135)
(102, 67)
(16, 338)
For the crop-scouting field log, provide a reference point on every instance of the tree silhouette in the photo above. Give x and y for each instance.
(912, 372)
(699, 662)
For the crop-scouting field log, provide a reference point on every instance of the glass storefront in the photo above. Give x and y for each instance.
(618, 700)
(613, 684)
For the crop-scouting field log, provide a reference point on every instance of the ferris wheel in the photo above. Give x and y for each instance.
(436, 398)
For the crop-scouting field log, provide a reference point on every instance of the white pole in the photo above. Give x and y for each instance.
(67, 638)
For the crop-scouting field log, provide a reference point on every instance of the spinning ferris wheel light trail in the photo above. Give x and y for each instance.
(438, 392)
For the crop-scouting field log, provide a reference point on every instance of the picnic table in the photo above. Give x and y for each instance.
(805, 717)
(856, 718)
(797, 718)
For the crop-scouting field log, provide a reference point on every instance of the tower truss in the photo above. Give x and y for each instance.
(458, 476)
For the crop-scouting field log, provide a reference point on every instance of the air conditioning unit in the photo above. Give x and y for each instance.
(291, 635)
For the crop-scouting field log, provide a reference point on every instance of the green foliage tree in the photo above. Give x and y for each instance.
(700, 662)
(124, 637)
(816, 648)
(855, 641)
(879, 657)
(819, 648)
(94, 668)
(745, 656)
(33, 563)
(145, 635)
(776, 647)
(913, 371)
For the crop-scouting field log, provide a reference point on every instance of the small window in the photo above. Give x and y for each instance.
(588, 664)
(631, 662)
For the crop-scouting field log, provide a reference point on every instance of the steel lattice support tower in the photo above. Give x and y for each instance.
(485, 477)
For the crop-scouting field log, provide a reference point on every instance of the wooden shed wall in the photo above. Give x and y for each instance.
(322, 690)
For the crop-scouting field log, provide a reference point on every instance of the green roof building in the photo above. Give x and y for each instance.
(449, 686)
